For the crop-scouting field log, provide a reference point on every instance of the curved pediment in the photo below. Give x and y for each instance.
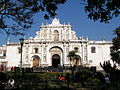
(56, 32)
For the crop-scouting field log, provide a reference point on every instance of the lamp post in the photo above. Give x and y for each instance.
(21, 43)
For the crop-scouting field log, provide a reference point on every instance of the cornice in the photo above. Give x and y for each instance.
(53, 26)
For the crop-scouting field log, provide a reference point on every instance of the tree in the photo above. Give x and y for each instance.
(73, 56)
(115, 53)
(115, 49)
(21, 12)
(107, 67)
(112, 70)
(102, 10)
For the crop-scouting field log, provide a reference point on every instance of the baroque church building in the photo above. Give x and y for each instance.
(50, 47)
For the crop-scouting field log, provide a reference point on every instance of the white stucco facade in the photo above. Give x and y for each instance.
(51, 45)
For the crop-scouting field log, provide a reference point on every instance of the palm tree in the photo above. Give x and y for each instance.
(77, 58)
(73, 56)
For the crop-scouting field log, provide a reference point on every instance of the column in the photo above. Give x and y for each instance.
(64, 55)
(41, 54)
(82, 53)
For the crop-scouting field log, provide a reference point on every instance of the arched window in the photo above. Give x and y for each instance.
(35, 50)
(56, 35)
(76, 49)
(44, 58)
(93, 50)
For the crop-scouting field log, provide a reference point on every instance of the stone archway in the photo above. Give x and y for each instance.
(36, 61)
(56, 56)
(55, 60)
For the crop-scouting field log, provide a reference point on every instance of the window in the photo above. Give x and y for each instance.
(76, 49)
(90, 61)
(35, 50)
(4, 52)
(93, 50)
(44, 58)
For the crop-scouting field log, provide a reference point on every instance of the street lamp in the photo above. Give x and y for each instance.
(21, 43)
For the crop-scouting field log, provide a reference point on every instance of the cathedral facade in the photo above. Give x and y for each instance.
(50, 47)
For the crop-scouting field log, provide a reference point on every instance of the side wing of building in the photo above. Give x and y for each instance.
(98, 52)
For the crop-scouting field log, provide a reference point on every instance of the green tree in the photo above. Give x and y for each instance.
(73, 56)
(107, 67)
(21, 12)
(102, 10)
(115, 53)
(115, 49)
(112, 70)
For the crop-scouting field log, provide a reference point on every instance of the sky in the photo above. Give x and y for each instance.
(72, 11)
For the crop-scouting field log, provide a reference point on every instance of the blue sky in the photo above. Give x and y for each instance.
(72, 12)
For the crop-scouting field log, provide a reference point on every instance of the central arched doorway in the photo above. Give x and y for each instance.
(55, 60)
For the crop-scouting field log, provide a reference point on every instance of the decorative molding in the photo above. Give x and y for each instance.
(2, 57)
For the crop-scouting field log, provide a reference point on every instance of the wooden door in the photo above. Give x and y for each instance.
(35, 62)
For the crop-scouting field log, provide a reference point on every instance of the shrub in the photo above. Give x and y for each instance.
(3, 76)
(92, 82)
(83, 74)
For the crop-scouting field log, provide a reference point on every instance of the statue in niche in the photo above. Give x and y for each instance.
(56, 35)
